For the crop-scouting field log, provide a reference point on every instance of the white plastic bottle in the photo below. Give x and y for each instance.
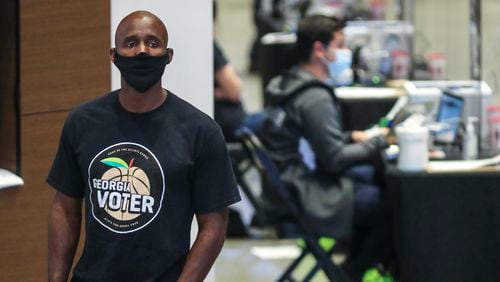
(469, 145)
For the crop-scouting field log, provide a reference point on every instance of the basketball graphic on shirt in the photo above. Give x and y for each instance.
(127, 185)
(138, 184)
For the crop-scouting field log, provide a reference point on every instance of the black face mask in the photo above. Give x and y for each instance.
(141, 71)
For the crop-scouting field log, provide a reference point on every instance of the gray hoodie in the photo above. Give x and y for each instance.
(315, 115)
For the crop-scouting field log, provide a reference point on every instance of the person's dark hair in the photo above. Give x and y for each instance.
(312, 29)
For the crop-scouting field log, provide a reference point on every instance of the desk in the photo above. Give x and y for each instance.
(447, 226)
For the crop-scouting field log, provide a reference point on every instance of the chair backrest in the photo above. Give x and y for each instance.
(272, 183)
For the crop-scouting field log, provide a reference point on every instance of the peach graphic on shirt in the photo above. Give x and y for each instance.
(124, 190)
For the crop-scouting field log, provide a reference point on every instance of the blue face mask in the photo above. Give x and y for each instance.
(340, 69)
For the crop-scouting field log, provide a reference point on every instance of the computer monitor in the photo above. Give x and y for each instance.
(477, 96)
(449, 115)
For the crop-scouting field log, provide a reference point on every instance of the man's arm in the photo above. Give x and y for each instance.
(362, 136)
(65, 217)
(206, 248)
(323, 130)
(228, 84)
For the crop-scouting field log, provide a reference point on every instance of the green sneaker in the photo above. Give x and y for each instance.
(374, 275)
(326, 243)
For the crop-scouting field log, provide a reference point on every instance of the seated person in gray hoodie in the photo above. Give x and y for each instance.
(304, 106)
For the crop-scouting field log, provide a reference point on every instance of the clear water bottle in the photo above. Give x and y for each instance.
(469, 145)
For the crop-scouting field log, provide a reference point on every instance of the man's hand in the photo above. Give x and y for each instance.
(65, 217)
(359, 136)
(362, 136)
(391, 137)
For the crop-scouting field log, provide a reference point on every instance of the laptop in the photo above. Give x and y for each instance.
(449, 117)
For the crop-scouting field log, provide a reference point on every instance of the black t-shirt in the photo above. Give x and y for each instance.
(143, 176)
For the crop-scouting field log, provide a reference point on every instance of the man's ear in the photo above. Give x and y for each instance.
(318, 49)
(112, 52)
(170, 54)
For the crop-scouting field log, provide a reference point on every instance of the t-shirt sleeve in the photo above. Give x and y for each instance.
(65, 175)
(219, 58)
(214, 185)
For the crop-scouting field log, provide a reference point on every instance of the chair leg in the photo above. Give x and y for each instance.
(317, 267)
(287, 275)
(240, 179)
(333, 272)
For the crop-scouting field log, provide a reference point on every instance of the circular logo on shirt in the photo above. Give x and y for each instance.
(126, 187)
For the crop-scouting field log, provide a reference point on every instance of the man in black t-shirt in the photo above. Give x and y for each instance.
(144, 162)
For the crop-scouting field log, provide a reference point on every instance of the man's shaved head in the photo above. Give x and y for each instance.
(139, 19)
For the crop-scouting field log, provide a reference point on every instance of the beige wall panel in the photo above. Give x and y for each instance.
(23, 211)
(64, 53)
(443, 25)
(64, 61)
(491, 45)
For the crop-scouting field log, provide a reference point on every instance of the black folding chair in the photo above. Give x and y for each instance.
(260, 159)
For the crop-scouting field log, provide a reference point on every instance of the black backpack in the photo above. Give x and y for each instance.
(275, 114)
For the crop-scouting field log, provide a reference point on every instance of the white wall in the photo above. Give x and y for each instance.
(189, 25)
